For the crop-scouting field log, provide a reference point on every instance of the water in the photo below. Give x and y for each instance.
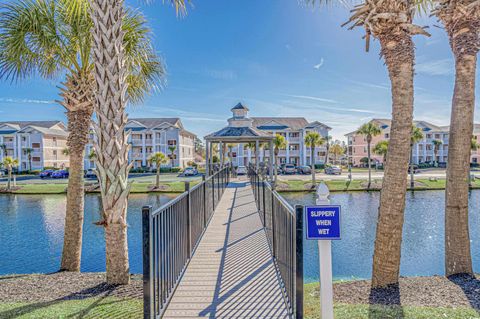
(31, 232)
(423, 234)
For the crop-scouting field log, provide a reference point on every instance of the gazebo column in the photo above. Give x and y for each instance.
(207, 158)
(257, 153)
(220, 146)
(271, 160)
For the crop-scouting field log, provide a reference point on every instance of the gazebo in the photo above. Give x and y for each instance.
(239, 130)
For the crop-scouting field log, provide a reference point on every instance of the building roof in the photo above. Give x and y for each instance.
(240, 106)
(425, 126)
(23, 124)
(153, 122)
(239, 134)
(294, 123)
(47, 131)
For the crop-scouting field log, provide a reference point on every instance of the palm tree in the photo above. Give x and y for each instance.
(417, 136)
(369, 130)
(337, 150)
(436, 147)
(158, 158)
(279, 143)
(172, 149)
(65, 47)
(312, 140)
(9, 163)
(328, 140)
(381, 148)
(3, 148)
(28, 152)
(461, 21)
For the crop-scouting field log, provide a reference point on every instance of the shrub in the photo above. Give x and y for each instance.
(320, 166)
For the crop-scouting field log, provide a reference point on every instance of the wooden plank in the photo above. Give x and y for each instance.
(232, 274)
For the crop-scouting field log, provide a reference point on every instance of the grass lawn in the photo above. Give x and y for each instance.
(360, 311)
(109, 307)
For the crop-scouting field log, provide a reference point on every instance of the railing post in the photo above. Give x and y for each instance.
(204, 201)
(274, 235)
(189, 220)
(299, 262)
(147, 267)
(264, 206)
(213, 192)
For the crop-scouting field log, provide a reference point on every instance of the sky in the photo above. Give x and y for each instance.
(279, 57)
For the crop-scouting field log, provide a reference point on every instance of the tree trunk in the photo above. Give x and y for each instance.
(112, 145)
(369, 165)
(457, 239)
(157, 184)
(72, 241)
(78, 99)
(398, 51)
(312, 154)
(9, 181)
(276, 166)
(412, 176)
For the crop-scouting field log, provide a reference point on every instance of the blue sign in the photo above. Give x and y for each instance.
(323, 222)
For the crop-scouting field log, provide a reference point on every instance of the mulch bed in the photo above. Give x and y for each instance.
(436, 291)
(64, 286)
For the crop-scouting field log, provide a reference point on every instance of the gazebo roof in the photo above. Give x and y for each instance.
(239, 134)
(240, 106)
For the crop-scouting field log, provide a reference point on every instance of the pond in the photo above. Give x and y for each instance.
(423, 234)
(31, 232)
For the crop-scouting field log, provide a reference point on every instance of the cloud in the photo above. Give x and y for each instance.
(314, 98)
(318, 66)
(25, 101)
(438, 67)
(371, 85)
(221, 74)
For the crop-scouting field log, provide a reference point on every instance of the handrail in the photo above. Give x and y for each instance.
(171, 234)
(284, 228)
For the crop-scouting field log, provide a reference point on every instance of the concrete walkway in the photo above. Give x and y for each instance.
(231, 274)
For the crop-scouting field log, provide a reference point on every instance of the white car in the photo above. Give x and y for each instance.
(190, 171)
(91, 173)
(241, 170)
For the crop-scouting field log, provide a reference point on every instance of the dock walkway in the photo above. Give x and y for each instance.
(232, 273)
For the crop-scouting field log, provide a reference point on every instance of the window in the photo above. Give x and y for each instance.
(54, 140)
(24, 138)
(35, 159)
(172, 142)
(387, 135)
(429, 135)
(35, 145)
(437, 135)
(294, 134)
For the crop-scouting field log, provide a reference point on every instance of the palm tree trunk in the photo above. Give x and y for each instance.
(276, 167)
(312, 153)
(157, 184)
(369, 166)
(412, 177)
(398, 51)
(457, 240)
(78, 99)
(9, 181)
(112, 140)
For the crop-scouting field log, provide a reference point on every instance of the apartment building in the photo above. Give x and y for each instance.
(36, 144)
(423, 152)
(293, 129)
(152, 135)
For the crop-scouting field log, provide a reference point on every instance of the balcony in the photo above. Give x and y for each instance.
(136, 141)
(10, 145)
(294, 153)
(294, 139)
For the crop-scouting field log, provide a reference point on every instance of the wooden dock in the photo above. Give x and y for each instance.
(232, 273)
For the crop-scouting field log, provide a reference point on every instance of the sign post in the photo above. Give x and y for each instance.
(323, 225)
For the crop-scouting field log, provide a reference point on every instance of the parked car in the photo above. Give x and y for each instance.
(241, 170)
(333, 170)
(288, 169)
(90, 173)
(46, 173)
(190, 171)
(60, 174)
(306, 170)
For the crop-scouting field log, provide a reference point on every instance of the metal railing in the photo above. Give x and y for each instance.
(284, 228)
(170, 236)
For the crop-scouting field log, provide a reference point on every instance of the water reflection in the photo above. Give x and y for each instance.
(31, 232)
(423, 239)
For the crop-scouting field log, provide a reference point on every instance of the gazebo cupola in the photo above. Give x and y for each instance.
(240, 117)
